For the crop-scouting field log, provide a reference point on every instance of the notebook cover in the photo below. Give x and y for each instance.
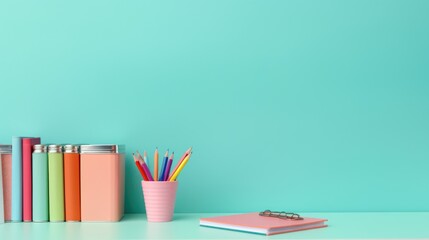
(27, 149)
(253, 220)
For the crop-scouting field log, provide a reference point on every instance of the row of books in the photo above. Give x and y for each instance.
(59, 182)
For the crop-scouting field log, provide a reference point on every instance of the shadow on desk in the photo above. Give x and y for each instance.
(140, 217)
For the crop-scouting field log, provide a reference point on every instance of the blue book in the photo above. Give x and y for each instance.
(16, 195)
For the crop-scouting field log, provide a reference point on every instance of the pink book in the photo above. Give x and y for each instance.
(253, 223)
(27, 150)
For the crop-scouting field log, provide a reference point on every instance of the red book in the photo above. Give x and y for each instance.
(253, 223)
(27, 150)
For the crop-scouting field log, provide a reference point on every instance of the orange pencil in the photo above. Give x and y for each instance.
(139, 167)
(155, 165)
(180, 162)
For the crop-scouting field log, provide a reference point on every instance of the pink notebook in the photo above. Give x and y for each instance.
(253, 223)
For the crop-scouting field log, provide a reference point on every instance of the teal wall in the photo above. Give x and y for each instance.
(289, 105)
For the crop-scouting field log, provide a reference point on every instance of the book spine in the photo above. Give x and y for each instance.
(56, 187)
(27, 147)
(40, 187)
(16, 179)
(6, 161)
(72, 186)
(1, 191)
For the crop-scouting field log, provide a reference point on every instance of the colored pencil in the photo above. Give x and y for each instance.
(155, 165)
(145, 159)
(167, 169)
(180, 162)
(144, 166)
(139, 167)
(164, 165)
(182, 165)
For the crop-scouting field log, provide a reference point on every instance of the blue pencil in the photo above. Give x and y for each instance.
(167, 169)
(164, 165)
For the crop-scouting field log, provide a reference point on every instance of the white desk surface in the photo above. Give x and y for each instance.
(186, 226)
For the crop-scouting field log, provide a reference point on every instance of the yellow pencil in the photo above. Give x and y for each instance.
(155, 165)
(173, 178)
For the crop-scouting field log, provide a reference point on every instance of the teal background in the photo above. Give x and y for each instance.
(289, 105)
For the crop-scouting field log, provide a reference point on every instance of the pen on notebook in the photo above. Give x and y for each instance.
(164, 165)
(167, 169)
(139, 167)
(182, 165)
(180, 161)
(144, 166)
(155, 165)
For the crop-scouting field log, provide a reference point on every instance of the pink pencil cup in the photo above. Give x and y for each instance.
(159, 198)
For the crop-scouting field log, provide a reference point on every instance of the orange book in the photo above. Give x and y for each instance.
(72, 185)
